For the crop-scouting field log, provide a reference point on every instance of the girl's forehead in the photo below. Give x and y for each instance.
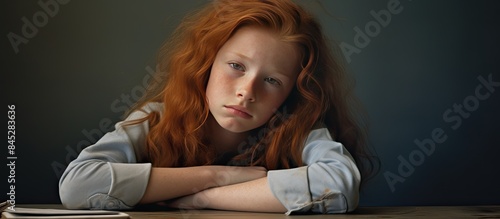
(254, 38)
(264, 46)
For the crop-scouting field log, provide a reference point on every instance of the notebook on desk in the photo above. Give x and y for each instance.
(39, 213)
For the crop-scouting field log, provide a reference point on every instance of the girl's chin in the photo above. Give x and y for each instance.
(235, 130)
(234, 125)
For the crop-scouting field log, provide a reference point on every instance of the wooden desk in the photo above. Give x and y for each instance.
(362, 212)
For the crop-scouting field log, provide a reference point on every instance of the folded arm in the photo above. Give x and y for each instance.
(170, 183)
(329, 183)
(254, 195)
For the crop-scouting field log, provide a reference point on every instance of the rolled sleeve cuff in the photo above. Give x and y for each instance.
(129, 181)
(291, 188)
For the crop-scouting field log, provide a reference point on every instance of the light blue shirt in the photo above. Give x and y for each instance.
(107, 175)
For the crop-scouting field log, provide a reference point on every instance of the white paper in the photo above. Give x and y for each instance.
(37, 213)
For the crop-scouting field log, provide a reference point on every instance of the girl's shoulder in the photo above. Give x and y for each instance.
(319, 133)
(145, 110)
(320, 144)
(153, 107)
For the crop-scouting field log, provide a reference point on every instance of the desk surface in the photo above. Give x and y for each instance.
(362, 212)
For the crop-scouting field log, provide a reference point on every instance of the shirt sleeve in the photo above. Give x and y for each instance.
(106, 175)
(329, 183)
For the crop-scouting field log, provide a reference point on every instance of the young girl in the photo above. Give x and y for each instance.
(252, 113)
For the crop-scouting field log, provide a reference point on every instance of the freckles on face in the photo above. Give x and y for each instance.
(253, 73)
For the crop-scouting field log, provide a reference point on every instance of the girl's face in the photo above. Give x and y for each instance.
(253, 73)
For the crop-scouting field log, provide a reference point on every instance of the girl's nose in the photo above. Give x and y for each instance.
(247, 88)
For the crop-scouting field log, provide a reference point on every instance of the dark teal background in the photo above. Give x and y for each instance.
(73, 80)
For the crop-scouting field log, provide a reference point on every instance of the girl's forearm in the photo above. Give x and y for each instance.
(169, 183)
(254, 195)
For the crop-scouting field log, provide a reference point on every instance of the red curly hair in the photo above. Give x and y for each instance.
(322, 96)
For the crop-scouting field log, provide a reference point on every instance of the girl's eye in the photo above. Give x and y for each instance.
(237, 66)
(272, 81)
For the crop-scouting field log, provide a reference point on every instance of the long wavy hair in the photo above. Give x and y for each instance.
(322, 97)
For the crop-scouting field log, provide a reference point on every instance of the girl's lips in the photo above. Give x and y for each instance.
(239, 111)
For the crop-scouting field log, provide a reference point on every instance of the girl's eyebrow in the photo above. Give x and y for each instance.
(285, 75)
(248, 58)
(240, 55)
